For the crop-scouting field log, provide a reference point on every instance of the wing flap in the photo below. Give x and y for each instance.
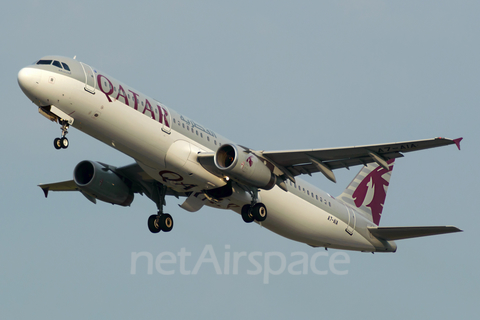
(399, 233)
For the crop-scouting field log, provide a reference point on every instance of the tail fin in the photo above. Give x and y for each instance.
(368, 190)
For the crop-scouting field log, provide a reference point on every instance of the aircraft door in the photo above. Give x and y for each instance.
(89, 78)
(166, 119)
(351, 221)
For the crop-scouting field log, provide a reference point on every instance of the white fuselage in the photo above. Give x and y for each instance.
(165, 144)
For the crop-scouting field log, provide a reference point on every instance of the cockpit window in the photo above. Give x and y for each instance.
(65, 66)
(44, 62)
(56, 63)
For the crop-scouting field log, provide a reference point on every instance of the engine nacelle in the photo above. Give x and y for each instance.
(102, 183)
(244, 167)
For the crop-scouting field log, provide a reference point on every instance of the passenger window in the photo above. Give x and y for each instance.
(308, 192)
(65, 66)
(316, 197)
(215, 142)
(183, 125)
(201, 135)
(57, 64)
(208, 138)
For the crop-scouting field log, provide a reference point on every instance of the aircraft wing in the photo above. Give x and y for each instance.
(64, 186)
(140, 181)
(296, 162)
(59, 186)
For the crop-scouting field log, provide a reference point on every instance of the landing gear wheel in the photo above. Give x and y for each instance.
(247, 214)
(57, 144)
(166, 222)
(64, 143)
(153, 224)
(259, 212)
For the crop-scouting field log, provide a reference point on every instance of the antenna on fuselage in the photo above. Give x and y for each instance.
(75, 57)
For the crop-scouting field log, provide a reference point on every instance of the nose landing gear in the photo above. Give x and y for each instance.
(62, 143)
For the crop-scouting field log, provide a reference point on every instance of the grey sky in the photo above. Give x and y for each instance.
(269, 75)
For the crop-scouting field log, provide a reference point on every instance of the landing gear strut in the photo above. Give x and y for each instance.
(254, 211)
(62, 143)
(160, 221)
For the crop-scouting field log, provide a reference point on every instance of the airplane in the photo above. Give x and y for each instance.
(176, 156)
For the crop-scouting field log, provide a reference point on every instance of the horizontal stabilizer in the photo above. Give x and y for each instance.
(398, 233)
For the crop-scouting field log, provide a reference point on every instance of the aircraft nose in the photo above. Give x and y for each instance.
(28, 79)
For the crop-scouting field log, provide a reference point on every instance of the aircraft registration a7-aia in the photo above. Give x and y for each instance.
(178, 157)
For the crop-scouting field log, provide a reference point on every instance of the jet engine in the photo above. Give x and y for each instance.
(102, 183)
(244, 167)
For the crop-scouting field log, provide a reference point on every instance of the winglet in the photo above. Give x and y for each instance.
(45, 190)
(457, 142)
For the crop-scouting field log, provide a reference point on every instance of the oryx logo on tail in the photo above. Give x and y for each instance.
(367, 192)
(374, 185)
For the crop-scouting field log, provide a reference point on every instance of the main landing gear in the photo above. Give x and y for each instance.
(254, 211)
(160, 221)
(62, 143)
